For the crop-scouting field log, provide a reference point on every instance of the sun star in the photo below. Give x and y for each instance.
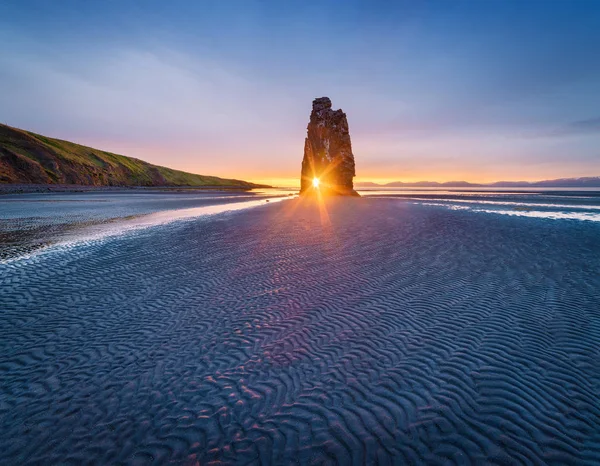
(316, 182)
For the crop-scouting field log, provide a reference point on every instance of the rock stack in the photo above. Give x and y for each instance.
(328, 164)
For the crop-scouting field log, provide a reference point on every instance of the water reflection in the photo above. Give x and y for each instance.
(32, 224)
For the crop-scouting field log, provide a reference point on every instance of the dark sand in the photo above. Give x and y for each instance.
(380, 332)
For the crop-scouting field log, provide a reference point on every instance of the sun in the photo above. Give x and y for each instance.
(315, 182)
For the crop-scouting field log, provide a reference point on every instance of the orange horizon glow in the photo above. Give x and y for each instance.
(413, 170)
(283, 177)
(289, 182)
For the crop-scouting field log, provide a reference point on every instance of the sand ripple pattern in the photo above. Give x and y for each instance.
(391, 334)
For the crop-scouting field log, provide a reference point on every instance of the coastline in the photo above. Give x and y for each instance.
(33, 221)
(15, 188)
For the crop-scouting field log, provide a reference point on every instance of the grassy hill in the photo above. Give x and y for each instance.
(27, 157)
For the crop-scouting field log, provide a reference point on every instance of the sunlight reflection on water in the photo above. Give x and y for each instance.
(121, 226)
(125, 225)
(523, 212)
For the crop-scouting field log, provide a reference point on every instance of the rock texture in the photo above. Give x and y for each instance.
(328, 151)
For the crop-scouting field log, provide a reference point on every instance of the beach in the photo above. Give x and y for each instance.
(353, 331)
(33, 221)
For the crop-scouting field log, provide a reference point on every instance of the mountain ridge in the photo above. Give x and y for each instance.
(579, 182)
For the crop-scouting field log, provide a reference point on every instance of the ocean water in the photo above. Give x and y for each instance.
(558, 204)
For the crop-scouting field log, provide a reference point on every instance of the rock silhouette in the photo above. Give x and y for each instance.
(327, 152)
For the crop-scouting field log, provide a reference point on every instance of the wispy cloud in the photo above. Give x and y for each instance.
(591, 125)
(577, 128)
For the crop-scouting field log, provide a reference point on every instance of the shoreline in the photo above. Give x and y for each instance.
(11, 188)
(40, 220)
(37, 220)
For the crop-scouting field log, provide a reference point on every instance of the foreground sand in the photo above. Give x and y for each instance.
(377, 331)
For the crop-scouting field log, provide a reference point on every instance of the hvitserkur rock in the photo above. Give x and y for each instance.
(328, 163)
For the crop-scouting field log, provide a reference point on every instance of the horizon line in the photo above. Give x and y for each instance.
(295, 181)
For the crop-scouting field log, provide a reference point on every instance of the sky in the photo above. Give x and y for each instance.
(480, 90)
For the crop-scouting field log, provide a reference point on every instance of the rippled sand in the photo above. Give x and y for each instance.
(378, 331)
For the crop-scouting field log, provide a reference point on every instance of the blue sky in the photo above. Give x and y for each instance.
(476, 90)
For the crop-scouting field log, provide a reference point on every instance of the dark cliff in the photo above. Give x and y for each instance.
(328, 151)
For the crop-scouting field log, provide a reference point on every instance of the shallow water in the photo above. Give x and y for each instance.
(557, 205)
(29, 222)
(385, 331)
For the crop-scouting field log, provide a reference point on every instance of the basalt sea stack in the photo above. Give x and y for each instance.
(328, 163)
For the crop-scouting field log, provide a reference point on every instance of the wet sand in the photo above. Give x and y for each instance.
(33, 221)
(374, 331)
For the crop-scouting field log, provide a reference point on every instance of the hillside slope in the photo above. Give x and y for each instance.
(27, 157)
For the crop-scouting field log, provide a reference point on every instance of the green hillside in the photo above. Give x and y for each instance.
(27, 157)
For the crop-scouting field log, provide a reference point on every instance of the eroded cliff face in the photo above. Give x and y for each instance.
(328, 151)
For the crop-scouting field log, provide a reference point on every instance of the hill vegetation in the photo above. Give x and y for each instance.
(26, 157)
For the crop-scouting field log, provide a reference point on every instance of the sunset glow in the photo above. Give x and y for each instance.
(315, 183)
(429, 114)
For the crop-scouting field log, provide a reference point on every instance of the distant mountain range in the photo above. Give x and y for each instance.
(27, 157)
(586, 182)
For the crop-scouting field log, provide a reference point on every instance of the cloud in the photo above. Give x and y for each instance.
(578, 128)
(161, 105)
(591, 125)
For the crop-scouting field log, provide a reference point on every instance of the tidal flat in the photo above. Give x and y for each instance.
(377, 330)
